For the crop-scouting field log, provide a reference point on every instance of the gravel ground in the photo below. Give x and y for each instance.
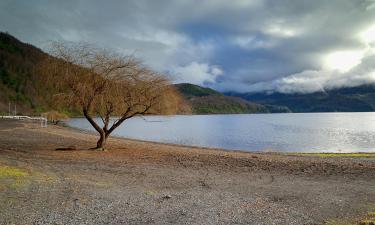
(138, 182)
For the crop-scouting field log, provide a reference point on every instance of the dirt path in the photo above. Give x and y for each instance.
(146, 183)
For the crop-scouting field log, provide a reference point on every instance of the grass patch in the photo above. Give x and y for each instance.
(11, 172)
(43, 178)
(11, 177)
(367, 219)
(339, 222)
(103, 184)
(150, 193)
(15, 178)
(367, 222)
(332, 155)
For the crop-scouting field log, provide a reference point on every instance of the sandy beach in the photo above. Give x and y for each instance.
(137, 182)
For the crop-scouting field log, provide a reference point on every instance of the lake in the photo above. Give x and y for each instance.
(290, 132)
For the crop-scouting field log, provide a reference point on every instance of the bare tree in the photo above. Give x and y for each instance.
(105, 84)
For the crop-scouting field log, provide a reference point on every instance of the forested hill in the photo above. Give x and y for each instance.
(208, 101)
(353, 99)
(17, 82)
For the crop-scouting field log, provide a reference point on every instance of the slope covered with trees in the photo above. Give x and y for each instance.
(18, 84)
(208, 101)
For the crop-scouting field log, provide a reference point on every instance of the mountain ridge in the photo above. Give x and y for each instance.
(347, 99)
(208, 101)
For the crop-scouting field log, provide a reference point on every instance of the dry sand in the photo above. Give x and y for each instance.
(137, 182)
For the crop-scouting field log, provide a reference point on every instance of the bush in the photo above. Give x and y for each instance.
(55, 116)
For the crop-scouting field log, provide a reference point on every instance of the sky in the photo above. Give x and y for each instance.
(283, 46)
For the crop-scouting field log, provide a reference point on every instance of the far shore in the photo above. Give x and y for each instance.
(141, 182)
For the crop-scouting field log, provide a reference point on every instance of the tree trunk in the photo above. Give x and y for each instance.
(100, 145)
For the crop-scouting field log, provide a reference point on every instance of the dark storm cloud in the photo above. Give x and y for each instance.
(288, 46)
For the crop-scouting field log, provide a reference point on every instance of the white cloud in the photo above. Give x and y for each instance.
(197, 73)
(368, 35)
(164, 37)
(343, 60)
(371, 5)
(251, 42)
(280, 30)
(319, 80)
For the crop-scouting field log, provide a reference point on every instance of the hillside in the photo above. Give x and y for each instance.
(354, 99)
(17, 83)
(208, 101)
(191, 90)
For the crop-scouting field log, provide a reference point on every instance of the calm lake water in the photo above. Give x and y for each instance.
(299, 132)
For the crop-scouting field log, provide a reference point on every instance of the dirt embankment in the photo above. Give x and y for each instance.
(147, 183)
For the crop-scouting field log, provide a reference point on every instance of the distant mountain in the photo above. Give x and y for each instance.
(353, 99)
(208, 101)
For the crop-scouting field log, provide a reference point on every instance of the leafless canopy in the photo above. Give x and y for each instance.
(105, 84)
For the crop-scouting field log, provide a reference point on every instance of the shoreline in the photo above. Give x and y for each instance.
(154, 183)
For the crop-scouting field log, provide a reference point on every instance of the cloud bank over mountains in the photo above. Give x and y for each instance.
(256, 45)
